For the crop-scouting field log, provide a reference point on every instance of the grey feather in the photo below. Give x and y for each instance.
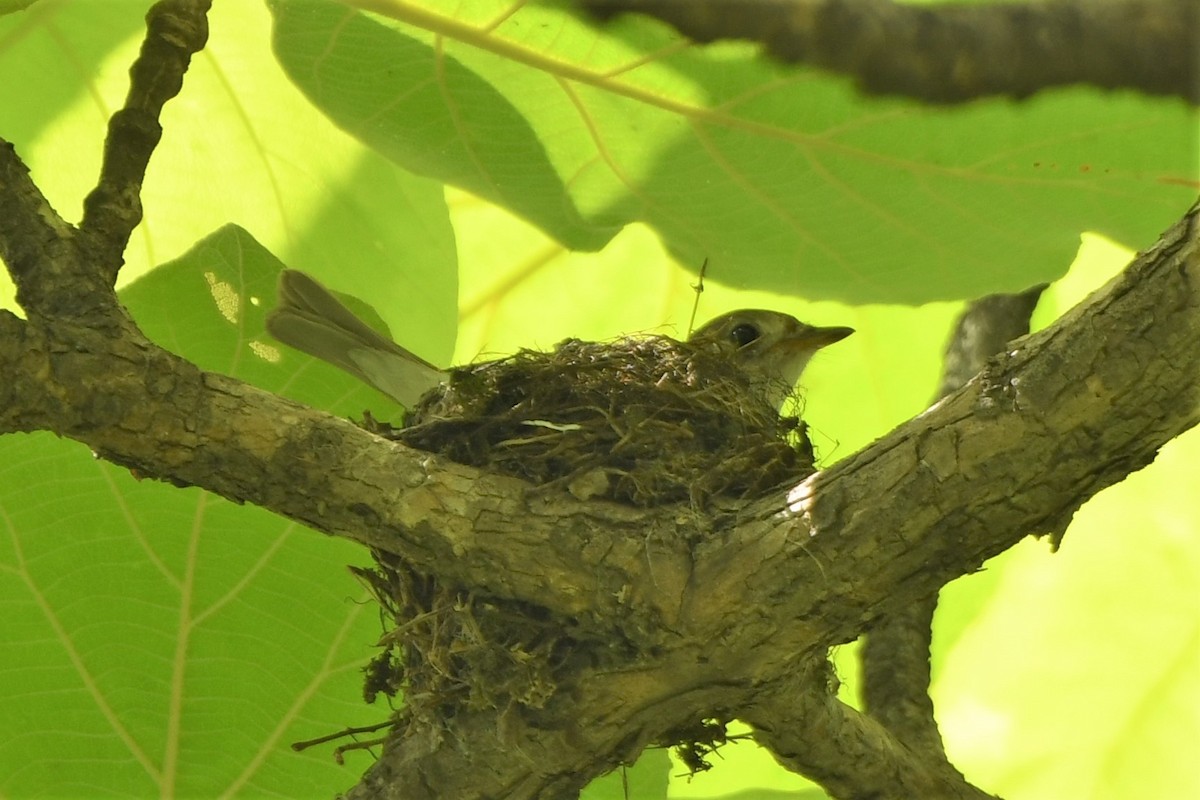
(310, 319)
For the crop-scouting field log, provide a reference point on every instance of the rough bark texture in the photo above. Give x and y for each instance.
(895, 654)
(174, 31)
(849, 754)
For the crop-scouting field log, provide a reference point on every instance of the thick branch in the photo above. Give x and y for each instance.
(602, 719)
(148, 409)
(955, 52)
(895, 654)
(1067, 412)
(1061, 415)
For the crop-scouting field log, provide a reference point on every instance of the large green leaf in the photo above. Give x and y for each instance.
(241, 145)
(164, 642)
(49, 57)
(783, 178)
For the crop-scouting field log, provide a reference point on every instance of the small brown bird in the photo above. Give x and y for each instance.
(771, 346)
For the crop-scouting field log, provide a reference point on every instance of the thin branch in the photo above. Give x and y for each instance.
(31, 231)
(955, 52)
(982, 332)
(175, 30)
(896, 675)
(60, 271)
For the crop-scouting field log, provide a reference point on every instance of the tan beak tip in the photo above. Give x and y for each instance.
(826, 336)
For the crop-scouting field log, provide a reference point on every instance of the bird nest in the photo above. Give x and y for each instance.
(642, 421)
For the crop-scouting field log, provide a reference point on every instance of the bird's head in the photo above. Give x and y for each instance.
(773, 348)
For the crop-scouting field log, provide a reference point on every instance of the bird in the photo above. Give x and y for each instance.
(772, 348)
(309, 318)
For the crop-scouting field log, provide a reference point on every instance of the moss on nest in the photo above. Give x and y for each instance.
(643, 421)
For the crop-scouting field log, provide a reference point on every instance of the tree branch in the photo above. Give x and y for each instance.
(31, 231)
(781, 579)
(955, 52)
(1058, 417)
(598, 721)
(848, 753)
(1061, 415)
(61, 271)
(1111, 397)
(175, 30)
(895, 653)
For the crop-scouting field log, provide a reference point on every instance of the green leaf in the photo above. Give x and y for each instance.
(165, 642)
(11, 6)
(241, 146)
(784, 179)
(220, 293)
(647, 779)
(47, 48)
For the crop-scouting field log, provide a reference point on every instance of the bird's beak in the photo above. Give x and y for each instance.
(814, 339)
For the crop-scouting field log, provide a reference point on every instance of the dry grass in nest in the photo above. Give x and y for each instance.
(450, 650)
(643, 421)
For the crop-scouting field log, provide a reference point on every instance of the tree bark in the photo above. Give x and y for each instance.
(670, 635)
(956, 52)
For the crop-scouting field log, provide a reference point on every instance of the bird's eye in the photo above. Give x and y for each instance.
(744, 334)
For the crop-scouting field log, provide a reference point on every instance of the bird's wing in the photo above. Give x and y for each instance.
(310, 319)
